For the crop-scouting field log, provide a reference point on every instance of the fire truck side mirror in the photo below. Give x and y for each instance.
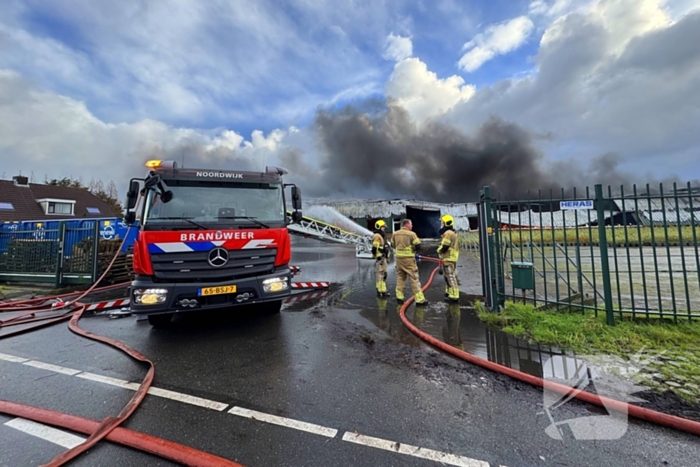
(132, 195)
(167, 196)
(130, 218)
(296, 198)
(296, 217)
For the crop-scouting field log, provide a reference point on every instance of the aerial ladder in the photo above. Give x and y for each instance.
(314, 228)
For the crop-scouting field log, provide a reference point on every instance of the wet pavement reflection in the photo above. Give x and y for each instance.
(456, 324)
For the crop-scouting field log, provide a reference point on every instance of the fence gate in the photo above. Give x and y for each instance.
(630, 254)
(60, 256)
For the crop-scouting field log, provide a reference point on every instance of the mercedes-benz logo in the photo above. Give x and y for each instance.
(218, 257)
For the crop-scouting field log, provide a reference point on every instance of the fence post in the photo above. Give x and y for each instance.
(491, 251)
(486, 245)
(59, 260)
(481, 219)
(95, 250)
(604, 264)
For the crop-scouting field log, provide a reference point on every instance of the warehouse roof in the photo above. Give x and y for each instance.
(361, 208)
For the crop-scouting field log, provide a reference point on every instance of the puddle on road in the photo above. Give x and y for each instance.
(455, 324)
(352, 288)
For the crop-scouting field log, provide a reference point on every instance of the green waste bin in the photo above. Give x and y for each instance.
(523, 275)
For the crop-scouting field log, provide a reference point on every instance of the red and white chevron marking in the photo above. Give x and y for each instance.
(295, 268)
(108, 305)
(310, 285)
(306, 296)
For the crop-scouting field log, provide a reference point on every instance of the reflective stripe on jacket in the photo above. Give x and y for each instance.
(404, 242)
(451, 241)
(378, 245)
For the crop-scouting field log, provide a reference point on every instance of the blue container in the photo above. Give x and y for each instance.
(76, 230)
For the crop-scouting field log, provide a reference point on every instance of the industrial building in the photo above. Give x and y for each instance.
(425, 215)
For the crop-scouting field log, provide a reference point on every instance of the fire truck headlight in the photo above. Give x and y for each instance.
(150, 296)
(275, 284)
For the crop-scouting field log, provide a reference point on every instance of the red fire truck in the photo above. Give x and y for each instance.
(209, 239)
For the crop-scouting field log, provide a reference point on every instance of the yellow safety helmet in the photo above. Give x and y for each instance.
(448, 220)
(379, 224)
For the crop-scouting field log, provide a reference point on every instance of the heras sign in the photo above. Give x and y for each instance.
(578, 204)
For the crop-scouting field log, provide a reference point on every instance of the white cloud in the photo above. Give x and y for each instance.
(626, 19)
(56, 136)
(211, 61)
(496, 40)
(397, 48)
(422, 93)
(555, 8)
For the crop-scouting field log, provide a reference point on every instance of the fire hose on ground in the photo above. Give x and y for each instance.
(109, 427)
(671, 421)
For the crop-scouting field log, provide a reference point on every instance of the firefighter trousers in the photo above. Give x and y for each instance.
(452, 288)
(406, 267)
(380, 274)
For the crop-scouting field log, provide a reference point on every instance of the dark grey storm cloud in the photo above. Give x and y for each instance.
(640, 102)
(384, 153)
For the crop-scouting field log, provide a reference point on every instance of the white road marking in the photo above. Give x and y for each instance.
(12, 358)
(282, 421)
(187, 399)
(107, 380)
(45, 432)
(437, 456)
(68, 440)
(176, 396)
(54, 368)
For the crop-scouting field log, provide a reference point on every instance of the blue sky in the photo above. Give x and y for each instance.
(298, 57)
(95, 82)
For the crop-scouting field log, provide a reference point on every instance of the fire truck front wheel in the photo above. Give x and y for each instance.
(271, 308)
(158, 321)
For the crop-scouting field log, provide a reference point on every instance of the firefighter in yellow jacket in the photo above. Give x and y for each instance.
(448, 252)
(406, 245)
(380, 252)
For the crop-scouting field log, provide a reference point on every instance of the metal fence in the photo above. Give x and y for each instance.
(630, 253)
(63, 255)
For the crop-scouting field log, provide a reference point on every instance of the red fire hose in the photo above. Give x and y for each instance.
(641, 413)
(109, 427)
(134, 439)
(14, 305)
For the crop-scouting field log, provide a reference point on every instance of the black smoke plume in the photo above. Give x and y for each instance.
(383, 153)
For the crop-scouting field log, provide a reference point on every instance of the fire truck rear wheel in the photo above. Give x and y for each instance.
(158, 321)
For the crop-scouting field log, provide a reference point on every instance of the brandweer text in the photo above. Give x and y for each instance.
(219, 235)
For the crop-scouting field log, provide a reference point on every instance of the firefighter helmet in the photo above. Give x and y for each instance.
(379, 224)
(448, 220)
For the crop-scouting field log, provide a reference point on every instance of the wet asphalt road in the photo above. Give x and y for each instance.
(342, 362)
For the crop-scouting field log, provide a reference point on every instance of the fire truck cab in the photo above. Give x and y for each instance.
(209, 239)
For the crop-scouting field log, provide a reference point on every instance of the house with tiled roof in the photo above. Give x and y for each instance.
(24, 201)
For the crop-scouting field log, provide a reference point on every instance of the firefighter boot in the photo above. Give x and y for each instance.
(381, 289)
(453, 294)
(420, 298)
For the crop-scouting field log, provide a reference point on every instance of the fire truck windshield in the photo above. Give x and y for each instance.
(216, 205)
